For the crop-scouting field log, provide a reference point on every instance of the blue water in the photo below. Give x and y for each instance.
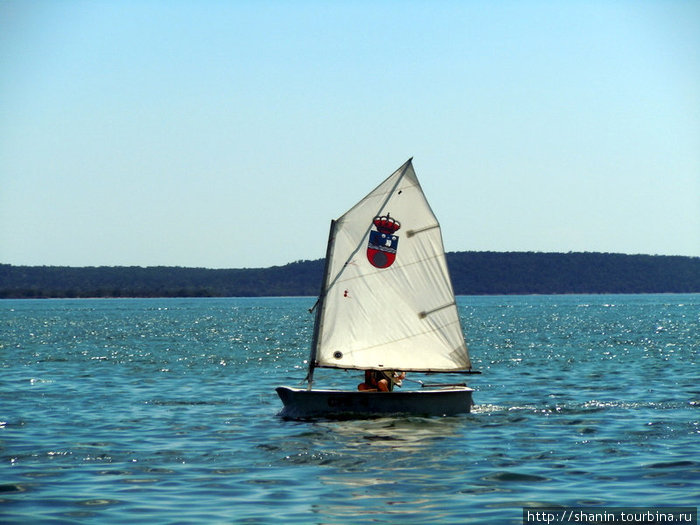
(164, 411)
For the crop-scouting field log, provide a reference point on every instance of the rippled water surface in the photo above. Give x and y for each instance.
(164, 410)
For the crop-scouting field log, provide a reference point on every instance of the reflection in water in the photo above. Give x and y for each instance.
(390, 467)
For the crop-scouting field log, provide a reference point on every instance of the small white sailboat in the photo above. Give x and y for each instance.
(386, 304)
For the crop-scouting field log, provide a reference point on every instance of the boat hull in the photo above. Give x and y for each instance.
(308, 404)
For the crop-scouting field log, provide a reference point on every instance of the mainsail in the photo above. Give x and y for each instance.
(387, 300)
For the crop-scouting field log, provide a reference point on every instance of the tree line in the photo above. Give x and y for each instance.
(473, 273)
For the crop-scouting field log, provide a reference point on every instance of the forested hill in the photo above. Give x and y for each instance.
(473, 273)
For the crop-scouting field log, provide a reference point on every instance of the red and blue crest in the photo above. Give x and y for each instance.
(383, 243)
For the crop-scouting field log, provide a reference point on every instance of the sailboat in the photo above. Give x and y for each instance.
(386, 304)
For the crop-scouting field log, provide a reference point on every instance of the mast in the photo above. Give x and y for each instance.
(319, 306)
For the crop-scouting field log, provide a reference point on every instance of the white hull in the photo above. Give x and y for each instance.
(304, 404)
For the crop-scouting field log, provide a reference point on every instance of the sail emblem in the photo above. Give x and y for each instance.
(381, 250)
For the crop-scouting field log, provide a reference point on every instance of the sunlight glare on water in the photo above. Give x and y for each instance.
(164, 410)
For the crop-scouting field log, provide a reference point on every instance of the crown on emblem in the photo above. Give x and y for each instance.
(386, 224)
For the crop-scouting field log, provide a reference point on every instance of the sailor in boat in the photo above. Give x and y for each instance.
(382, 380)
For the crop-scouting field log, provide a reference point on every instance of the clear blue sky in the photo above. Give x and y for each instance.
(227, 134)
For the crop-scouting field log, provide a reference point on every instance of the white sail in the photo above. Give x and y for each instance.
(388, 300)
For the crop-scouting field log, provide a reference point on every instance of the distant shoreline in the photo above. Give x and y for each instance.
(313, 297)
(473, 273)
